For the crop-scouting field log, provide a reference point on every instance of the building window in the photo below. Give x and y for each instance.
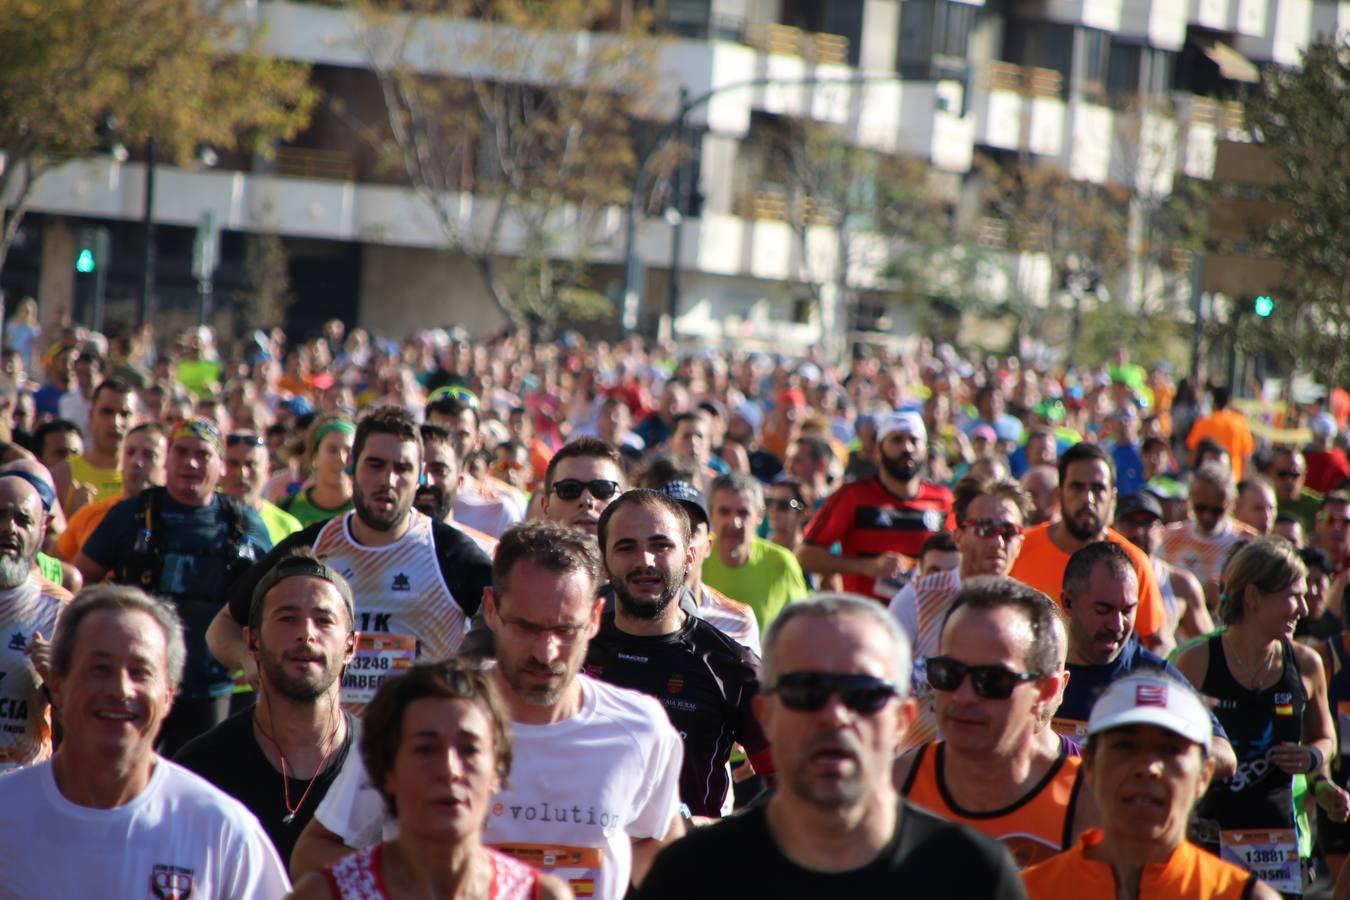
(934, 37)
(1123, 71)
(1096, 52)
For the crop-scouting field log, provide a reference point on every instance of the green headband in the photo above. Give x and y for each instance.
(336, 426)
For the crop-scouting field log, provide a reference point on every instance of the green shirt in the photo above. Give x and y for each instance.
(279, 522)
(303, 509)
(770, 579)
(1305, 506)
(50, 567)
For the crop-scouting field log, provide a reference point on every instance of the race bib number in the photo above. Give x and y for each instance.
(1270, 855)
(578, 866)
(1069, 728)
(378, 656)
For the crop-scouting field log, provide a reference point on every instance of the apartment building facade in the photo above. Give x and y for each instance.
(1112, 92)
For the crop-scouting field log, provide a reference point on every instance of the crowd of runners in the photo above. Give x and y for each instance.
(506, 618)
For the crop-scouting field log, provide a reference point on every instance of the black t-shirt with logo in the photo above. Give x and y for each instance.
(705, 681)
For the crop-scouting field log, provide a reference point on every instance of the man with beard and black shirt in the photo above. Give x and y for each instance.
(704, 679)
(415, 581)
(300, 634)
(880, 522)
(1087, 498)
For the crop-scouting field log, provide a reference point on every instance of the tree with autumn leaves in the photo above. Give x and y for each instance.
(517, 130)
(180, 72)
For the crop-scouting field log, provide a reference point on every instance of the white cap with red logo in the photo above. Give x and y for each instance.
(1149, 699)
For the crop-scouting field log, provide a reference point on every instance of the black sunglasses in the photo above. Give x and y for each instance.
(989, 682)
(986, 528)
(810, 691)
(782, 503)
(571, 488)
(252, 440)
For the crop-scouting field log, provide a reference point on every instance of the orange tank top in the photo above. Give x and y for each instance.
(1189, 874)
(1033, 829)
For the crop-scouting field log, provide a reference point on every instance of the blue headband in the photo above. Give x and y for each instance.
(46, 493)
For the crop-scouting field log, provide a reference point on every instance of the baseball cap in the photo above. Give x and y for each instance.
(689, 497)
(906, 421)
(1140, 501)
(1152, 700)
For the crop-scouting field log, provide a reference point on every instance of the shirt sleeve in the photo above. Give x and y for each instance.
(352, 809)
(661, 800)
(831, 522)
(253, 867)
(1151, 616)
(904, 607)
(112, 535)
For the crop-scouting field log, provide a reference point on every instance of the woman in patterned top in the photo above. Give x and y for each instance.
(436, 741)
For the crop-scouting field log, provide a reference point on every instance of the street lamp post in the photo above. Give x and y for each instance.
(148, 234)
(632, 288)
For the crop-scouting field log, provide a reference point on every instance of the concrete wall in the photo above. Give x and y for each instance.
(404, 289)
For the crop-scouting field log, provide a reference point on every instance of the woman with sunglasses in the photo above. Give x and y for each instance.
(328, 447)
(437, 745)
(1270, 695)
(787, 512)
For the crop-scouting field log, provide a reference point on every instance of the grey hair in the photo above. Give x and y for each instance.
(121, 597)
(837, 605)
(738, 483)
(1218, 476)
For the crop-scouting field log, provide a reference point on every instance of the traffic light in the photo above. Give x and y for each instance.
(84, 263)
(1264, 306)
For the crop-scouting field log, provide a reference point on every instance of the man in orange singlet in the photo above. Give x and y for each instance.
(995, 680)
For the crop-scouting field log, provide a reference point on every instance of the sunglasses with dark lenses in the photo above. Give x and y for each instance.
(986, 528)
(990, 682)
(1288, 473)
(252, 440)
(571, 488)
(780, 503)
(810, 691)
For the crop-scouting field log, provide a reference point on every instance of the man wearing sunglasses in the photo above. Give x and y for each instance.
(996, 680)
(582, 478)
(835, 708)
(989, 537)
(1087, 496)
(1205, 541)
(1101, 597)
(1332, 530)
(1139, 520)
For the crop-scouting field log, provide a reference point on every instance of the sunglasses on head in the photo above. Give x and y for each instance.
(810, 691)
(782, 503)
(990, 682)
(571, 488)
(988, 528)
(252, 440)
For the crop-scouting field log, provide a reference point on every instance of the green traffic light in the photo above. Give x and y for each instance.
(1264, 305)
(84, 263)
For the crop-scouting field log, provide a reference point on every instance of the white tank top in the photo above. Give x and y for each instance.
(404, 609)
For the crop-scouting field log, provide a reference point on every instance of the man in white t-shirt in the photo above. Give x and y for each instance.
(106, 816)
(593, 792)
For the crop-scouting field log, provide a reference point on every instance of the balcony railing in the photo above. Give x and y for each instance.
(789, 41)
(1031, 81)
(305, 162)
